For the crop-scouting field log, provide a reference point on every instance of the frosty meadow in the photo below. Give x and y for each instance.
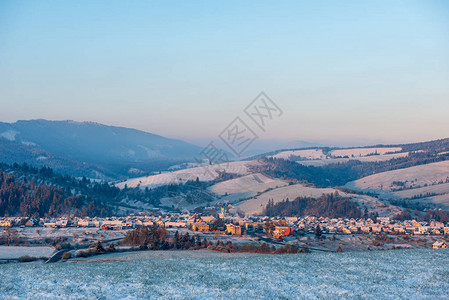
(292, 149)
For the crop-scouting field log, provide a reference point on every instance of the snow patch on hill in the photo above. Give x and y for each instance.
(412, 177)
(440, 199)
(438, 189)
(203, 173)
(358, 152)
(245, 187)
(371, 158)
(306, 154)
(10, 135)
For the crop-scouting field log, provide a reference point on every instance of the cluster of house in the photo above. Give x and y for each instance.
(383, 224)
(115, 223)
(288, 225)
(280, 227)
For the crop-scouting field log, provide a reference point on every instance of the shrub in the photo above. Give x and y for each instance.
(287, 249)
(83, 254)
(304, 249)
(67, 255)
(27, 258)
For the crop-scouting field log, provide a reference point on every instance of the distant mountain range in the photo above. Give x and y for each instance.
(90, 149)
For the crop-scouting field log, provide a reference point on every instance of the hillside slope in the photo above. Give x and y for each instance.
(408, 178)
(418, 185)
(203, 173)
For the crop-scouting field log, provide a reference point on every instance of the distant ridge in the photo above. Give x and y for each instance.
(90, 149)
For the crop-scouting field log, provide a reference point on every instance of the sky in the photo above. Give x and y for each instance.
(341, 71)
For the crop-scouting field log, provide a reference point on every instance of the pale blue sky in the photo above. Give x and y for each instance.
(340, 70)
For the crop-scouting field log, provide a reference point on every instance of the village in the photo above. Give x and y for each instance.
(318, 234)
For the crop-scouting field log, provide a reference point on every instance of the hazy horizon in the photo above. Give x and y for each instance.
(342, 72)
(261, 144)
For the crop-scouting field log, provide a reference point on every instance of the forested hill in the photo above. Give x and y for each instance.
(90, 149)
(32, 192)
(39, 192)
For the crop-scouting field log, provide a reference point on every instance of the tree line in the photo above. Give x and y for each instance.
(23, 197)
(38, 192)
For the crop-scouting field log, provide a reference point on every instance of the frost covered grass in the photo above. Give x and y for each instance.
(413, 177)
(401, 274)
(13, 252)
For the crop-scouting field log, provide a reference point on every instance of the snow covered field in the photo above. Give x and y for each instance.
(145, 255)
(306, 154)
(316, 157)
(72, 234)
(400, 274)
(413, 177)
(13, 252)
(204, 173)
(246, 186)
(317, 154)
(372, 158)
(357, 152)
(437, 189)
(440, 199)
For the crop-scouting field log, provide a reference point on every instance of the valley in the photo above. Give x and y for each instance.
(386, 181)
